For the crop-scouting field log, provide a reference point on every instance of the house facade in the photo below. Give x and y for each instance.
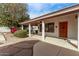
(60, 24)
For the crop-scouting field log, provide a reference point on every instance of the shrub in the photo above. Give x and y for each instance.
(21, 33)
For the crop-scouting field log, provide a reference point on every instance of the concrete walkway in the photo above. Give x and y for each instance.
(56, 41)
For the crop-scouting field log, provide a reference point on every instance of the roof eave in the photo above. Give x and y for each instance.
(63, 11)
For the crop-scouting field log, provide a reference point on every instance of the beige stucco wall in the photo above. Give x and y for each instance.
(72, 25)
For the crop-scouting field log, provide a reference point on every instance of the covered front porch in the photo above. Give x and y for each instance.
(62, 25)
(67, 37)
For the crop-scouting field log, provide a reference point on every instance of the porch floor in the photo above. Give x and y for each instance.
(56, 41)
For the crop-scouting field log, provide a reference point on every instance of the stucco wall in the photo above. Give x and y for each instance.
(72, 25)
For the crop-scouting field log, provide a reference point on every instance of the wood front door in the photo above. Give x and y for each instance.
(63, 28)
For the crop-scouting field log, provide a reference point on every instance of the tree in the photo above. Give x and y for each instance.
(13, 13)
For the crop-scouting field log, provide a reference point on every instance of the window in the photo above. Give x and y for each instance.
(49, 27)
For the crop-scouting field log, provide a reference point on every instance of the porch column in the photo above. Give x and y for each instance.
(78, 30)
(29, 30)
(22, 27)
(38, 28)
(43, 30)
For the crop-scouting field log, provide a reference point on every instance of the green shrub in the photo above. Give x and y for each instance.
(21, 33)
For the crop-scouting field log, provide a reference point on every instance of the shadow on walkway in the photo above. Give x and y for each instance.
(23, 48)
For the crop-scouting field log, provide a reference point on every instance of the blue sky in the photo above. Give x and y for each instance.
(38, 9)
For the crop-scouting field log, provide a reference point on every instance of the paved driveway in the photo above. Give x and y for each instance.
(14, 46)
(23, 46)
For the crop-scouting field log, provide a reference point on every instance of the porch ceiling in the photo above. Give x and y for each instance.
(35, 22)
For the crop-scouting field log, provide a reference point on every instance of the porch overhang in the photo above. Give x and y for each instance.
(69, 10)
